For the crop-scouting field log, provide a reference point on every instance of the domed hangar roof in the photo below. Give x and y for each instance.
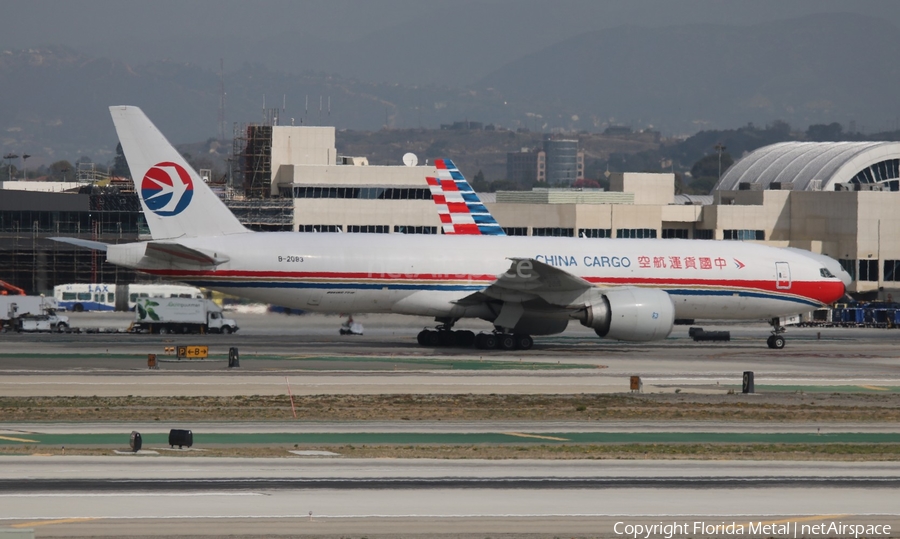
(814, 166)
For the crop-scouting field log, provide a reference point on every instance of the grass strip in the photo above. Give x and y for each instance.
(825, 409)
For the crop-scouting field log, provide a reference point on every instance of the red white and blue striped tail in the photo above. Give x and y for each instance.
(459, 208)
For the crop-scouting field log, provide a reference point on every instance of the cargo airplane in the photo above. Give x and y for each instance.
(630, 290)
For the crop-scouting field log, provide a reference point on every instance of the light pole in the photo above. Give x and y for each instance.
(24, 170)
(720, 148)
(9, 157)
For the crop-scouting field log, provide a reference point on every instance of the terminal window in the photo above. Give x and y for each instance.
(703, 234)
(868, 270)
(594, 233)
(365, 193)
(415, 229)
(675, 233)
(553, 231)
(515, 230)
(892, 270)
(742, 235)
(369, 229)
(636, 233)
(319, 228)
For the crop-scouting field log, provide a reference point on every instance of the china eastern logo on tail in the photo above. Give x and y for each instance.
(167, 189)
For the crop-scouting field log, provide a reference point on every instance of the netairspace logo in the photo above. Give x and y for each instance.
(786, 528)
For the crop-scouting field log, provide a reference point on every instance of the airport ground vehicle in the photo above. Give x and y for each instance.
(180, 315)
(13, 308)
(50, 322)
(6, 288)
(80, 297)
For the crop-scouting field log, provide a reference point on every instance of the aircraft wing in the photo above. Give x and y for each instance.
(528, 279)
(177, 253)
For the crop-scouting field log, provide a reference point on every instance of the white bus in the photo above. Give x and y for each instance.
(109, 297)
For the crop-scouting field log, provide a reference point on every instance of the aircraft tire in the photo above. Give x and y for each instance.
(524, 342)
(422, 337)
(446, 338)
(506, 342)
(432, 338)
(464, 338)
(486, 341)
(777, 342)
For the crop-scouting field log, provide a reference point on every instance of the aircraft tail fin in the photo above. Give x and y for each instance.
(460, 209)
(176, 202)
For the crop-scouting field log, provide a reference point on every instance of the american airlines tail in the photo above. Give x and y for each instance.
(176, 202)
(459, 208)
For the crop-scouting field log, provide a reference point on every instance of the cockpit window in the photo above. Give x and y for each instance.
(825, 273)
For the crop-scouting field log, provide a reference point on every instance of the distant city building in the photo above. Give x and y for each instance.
(565, 163)
(464, 125)
(526, 167)
(617, 130)
(560, 162)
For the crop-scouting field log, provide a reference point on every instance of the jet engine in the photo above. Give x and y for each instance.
(630, 314)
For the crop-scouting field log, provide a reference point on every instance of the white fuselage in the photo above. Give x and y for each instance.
(425, 275)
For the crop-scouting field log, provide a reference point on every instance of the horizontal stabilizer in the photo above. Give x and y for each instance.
(177, 253)
(95, 245)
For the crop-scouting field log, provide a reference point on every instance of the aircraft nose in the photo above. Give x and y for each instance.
(845, 277)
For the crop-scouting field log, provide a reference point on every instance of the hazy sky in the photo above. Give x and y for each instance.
(332, 33)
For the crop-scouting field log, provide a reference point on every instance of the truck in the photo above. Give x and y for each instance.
(14, 308)
(50, 322)
(180, 315)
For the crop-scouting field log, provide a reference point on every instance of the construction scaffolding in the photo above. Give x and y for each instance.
(252, 156)
(30, 260)
(269, 214)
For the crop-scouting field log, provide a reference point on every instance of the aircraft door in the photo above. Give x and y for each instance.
(782, 276)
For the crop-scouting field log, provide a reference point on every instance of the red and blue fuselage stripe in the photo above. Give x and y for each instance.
(805, 293)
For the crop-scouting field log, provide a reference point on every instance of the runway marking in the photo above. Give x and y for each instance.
(523, 435)
(430, 515)
(875, 388)
(126, 495)
(11, 439)
(52, 522)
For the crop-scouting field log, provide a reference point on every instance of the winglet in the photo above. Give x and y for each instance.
(459, 208)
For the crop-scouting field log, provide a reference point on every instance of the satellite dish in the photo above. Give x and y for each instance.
(410, 159)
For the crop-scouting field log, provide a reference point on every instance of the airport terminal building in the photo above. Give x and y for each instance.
(838, 199)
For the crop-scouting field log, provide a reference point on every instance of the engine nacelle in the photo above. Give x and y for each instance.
(631, 314)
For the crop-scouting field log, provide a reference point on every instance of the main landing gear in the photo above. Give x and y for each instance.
(503, 341)
(775, 340)
(444, 335)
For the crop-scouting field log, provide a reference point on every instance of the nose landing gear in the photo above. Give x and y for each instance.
(775, 340)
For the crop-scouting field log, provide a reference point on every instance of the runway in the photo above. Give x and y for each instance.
(104, 496)
(191, 495)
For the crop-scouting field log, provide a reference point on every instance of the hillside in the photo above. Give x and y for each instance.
(815, 69)
(678, 79)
